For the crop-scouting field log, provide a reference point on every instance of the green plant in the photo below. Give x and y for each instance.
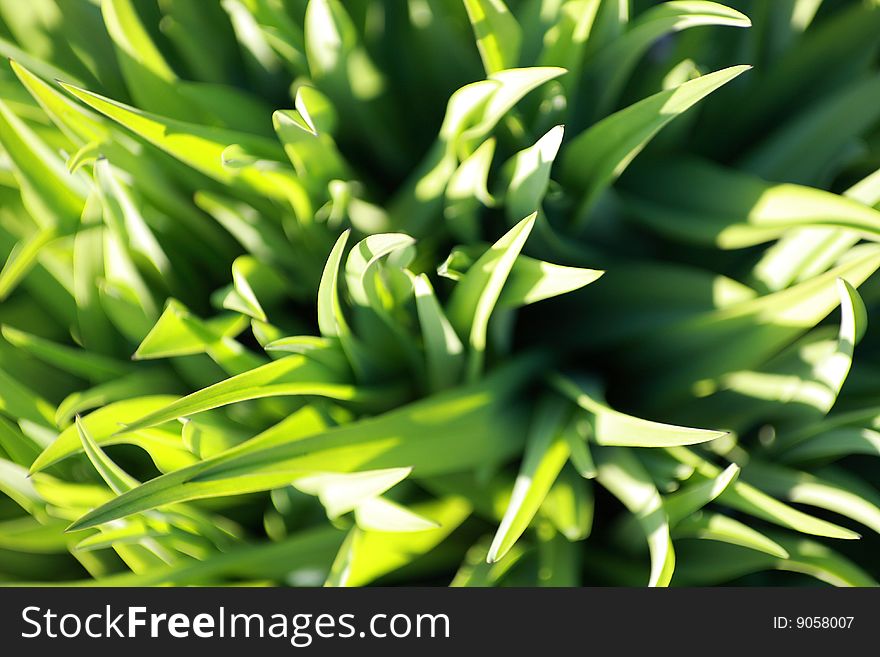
(544, 292)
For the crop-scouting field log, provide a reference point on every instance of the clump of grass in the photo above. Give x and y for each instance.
(484, 293)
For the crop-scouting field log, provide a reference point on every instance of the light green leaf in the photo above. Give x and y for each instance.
(311, 151)
(834, 444)
(626, 479)
(133, 533)
(253, 281)
(742, 335)
(546, 453)
(380, 515)
(195, 145)
(164, 446)
(577, 433)
(20, 449)
(801, 254)
(258, 234)
(331, 320)
(299, 560)
(379, 553)
(529, 174)
(115, 477)
(22, 259)
(177, 333)
(717, 527)
(851, 499)
(559, 560)
(363, 259)
(467, 192)
(53, 196)
(569, 505)
(530, 280)
(15, 483)
(472, 112)
(123, 216)
(702, 565)
(610, 427)
(458, 430)
(475, 296)
(294, 375)
(18, 401)
(341, 568)
(444, 352)
(324, 350)
(331, 317)
(565, 44)
(512, 85)
(688, 501)
(148, 76)
(76, 122)
(32, 537)
(341, 67)
(344, 492)
(69, 359)
(748, 499)
(476, 571)
(803, 382)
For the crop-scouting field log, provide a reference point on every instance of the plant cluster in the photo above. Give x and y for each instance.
(489, 293)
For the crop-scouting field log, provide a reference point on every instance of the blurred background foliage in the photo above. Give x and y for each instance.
(281, 256)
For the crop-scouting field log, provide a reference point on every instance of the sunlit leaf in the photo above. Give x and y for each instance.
(546, 453)
(624, 477)
(734, 210)
(497, 32)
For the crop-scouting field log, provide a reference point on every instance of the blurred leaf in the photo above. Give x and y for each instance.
(378, 553)
(569, 505)
(497, 31)
(149, 78)
(704, 566)
(734, 210)
(624, 477)
(717, 527)
(444, 353)
(476, 571)
(378, 514)
(595, 158)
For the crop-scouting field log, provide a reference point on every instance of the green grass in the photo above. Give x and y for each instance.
(429, 292)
